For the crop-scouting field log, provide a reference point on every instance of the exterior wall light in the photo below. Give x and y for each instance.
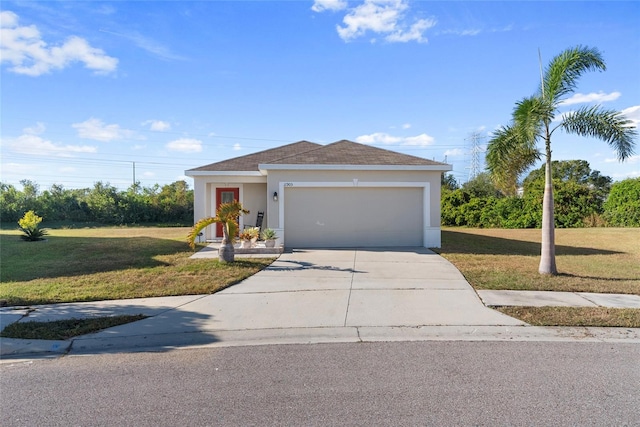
(275, 196)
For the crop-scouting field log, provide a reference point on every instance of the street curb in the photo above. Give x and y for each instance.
(17, 347)
(255, 337)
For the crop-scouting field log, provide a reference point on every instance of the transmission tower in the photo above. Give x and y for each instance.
(474, 168)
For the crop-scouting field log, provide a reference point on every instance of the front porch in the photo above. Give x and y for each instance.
(252, 195)
(259, 251)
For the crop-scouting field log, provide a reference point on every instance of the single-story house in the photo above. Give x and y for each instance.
(343, 194)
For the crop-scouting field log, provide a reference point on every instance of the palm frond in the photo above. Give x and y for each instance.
(197, 228)
(564, 70)
(227, 214)
(609, 126)
(509, 154)
(529, 115)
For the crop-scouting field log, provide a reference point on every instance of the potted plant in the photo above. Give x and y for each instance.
(245, 239)
(227, 214)
(254, 232)
(269, 236)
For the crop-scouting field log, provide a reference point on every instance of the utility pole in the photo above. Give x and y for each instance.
(135, 187)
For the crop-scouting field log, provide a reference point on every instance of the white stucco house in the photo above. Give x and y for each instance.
(342, 194)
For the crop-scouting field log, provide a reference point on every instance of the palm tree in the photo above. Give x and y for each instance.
(227, 214)
(513, 148)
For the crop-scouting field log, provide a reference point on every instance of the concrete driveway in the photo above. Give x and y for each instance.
(355, 288)
(305, 296)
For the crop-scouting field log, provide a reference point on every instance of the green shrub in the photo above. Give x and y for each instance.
(622, 208)
(29, 225)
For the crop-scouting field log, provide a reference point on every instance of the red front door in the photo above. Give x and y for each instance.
(225, 195)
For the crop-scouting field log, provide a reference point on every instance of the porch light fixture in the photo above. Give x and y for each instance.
(275, 196)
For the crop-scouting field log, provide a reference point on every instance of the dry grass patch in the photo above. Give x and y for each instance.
(111, 263)
(605, 260)
(575, 316)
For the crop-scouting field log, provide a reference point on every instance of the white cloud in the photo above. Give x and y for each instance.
(96, 129)
(386, 139)
(334, 5)
(149, 45)
(631, 159)
(406, 126)
(455, 152)
(185, 145)
(415, 32)
(633, 114)
(378, 138)
(621, 176)
(8, 19)
(37, 130)
(421, 140)
(463, 33)
(28, 54)
(384, 17)
(581, 98)
(157, 125)
(31, 144)
(237, 147)
(148, 174)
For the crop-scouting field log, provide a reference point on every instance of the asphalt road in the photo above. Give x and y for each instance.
(414, 383)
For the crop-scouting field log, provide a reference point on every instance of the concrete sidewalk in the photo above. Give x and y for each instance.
(557, 299)
(314, 296)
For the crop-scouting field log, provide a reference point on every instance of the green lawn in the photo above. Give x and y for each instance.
(603, 260)
(110, 263)
(589, 259)
(130, 262)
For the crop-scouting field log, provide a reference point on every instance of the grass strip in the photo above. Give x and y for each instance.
(65, 329)
(575, 316)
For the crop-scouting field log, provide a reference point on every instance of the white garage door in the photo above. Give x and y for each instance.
(353, 217)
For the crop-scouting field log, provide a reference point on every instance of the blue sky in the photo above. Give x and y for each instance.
(89, 89)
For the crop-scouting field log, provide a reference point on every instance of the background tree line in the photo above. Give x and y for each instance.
(583, 198)
(169, 204)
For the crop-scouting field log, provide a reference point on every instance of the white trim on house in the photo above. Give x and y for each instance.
(223, 173)
(430, 235)
(443, 167)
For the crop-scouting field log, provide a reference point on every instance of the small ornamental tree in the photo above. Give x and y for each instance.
(29, 225)
(227, 214)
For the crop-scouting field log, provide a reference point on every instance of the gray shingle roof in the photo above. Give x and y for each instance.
(352, 153)
(250, 162)
(309, 153)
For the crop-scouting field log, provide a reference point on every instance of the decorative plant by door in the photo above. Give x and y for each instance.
(227, 214)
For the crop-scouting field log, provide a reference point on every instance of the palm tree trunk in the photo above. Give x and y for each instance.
(548, 250)
(226, 253)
